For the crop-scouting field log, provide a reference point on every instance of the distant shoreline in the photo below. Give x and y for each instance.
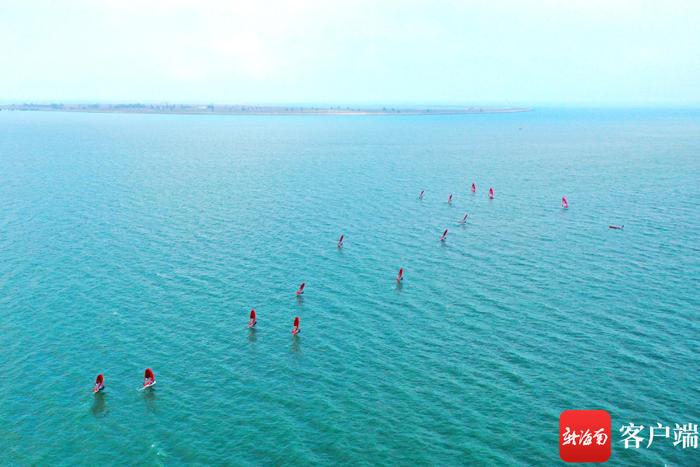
(211, 109)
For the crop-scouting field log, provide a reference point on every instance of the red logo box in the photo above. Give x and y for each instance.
(584, 436)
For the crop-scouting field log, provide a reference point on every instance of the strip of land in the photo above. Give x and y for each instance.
(214, 109)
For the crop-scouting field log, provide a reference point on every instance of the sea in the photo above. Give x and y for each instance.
(130, 241)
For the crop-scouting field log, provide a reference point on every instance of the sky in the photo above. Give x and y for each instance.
(490, 52)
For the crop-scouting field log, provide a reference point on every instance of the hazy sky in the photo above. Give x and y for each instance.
(590, 52)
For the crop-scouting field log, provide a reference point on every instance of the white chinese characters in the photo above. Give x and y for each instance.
(686, 435)
(584, 437)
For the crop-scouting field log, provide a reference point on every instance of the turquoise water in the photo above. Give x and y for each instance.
(129, 241)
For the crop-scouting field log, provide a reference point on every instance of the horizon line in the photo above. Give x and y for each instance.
(353, 105)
